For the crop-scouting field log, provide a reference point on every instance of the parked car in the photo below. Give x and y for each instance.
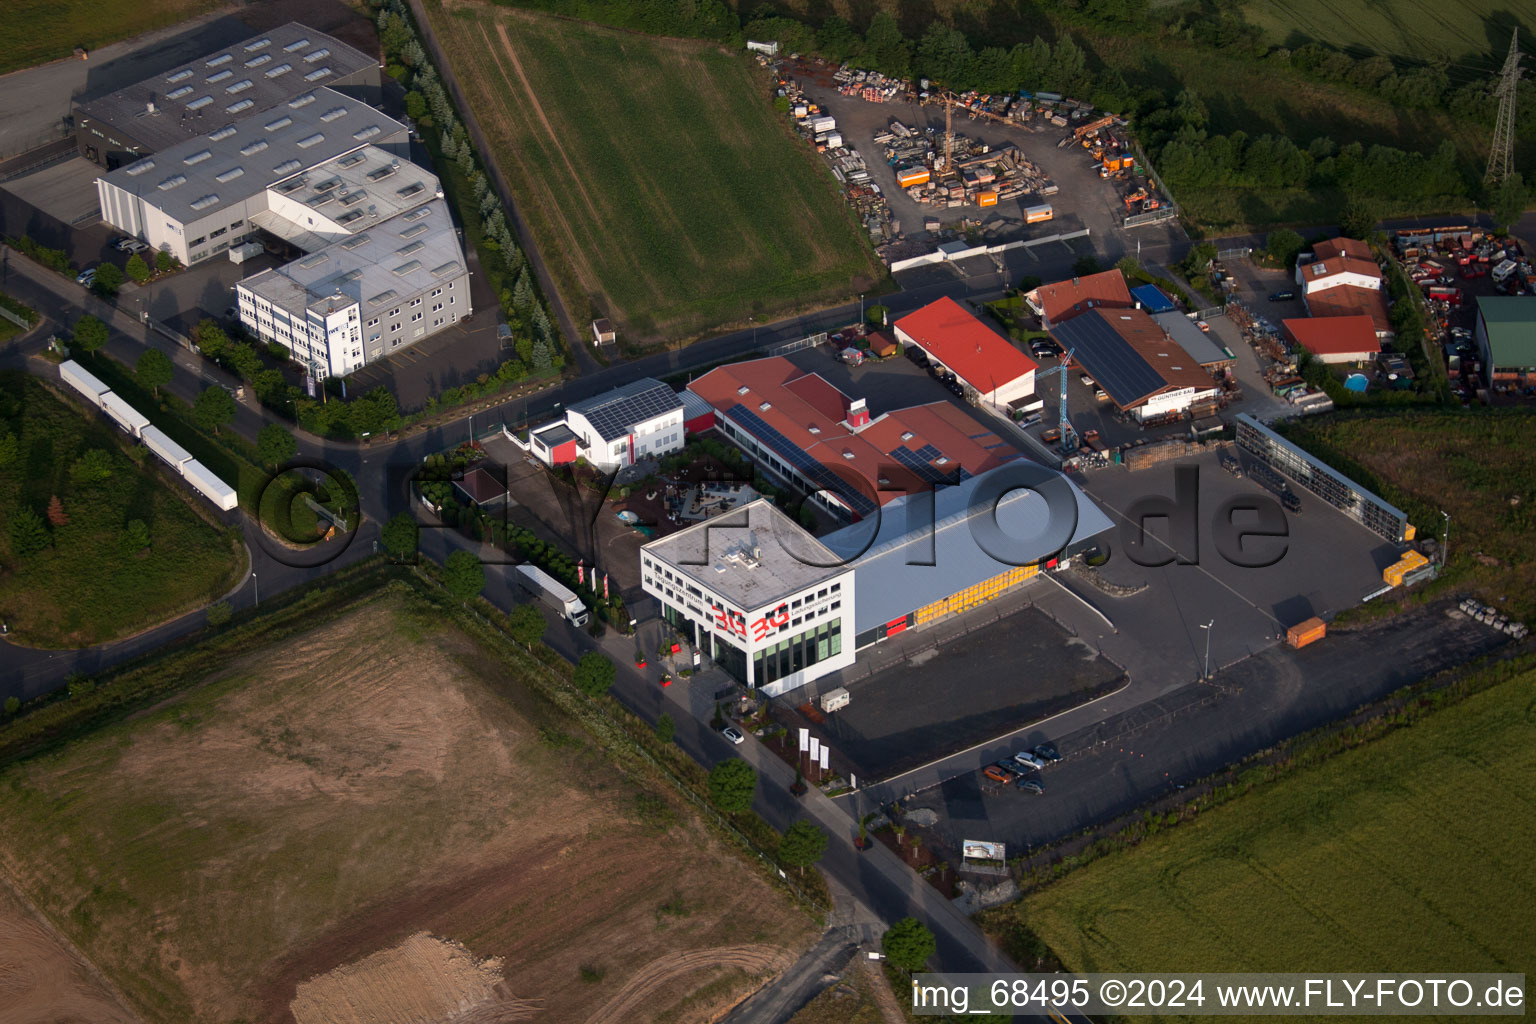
(733, 734)
(1051, 436)
(1047, 751)
(996, 774)
(1282, 297)
(86, 277)
(1011, 769)
(1087, 381)
(1033, 784)
(1029, 759)
(132, 245)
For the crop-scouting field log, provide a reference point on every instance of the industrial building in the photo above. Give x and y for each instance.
(1505, 334)
(1138, 364)
(936, 554)
(1152, 299)
(1334, 339)
(1199, 344)
(1336, 263)
(1361, 505)
(983, 360)
(803, 430)
(198, 198)
(1351, 300)
(197, 98)
(1059, 302)
(636, 421)
(769, 603)
(364, 297)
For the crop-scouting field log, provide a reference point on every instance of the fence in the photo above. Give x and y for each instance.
(940, 256)
(1146, 164)
(1137, 220)
(1234, 254)
(1208, 313)
(795, 346)
(13, 318)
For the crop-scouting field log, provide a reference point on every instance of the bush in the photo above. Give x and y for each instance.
(89, 334)
(666, 729)
(28, 534)
(399, 536)
(109, 278)
(219, 613)
(165, 262)
(12, 705)
(275, 444)
(136, 269)
(732, 784)
(908, 944)
(464, 575)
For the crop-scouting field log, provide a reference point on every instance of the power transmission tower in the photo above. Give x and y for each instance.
(1501, 157)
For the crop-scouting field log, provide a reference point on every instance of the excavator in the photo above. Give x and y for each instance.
(1135, 197)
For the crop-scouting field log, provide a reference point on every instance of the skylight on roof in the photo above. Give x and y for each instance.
(407, 267)
(222, 58)
(258, 60)
(282, 122)
(743, 390)
(352, 160)
(355, 241)
(334, 113)
(200, 103)
(369, 132)
(382, 297)
(314, 259)
(416, 214)
(408, 249)
(239, 105)
(287, 167)
(907, 435)
(764, 406)
(221, 76)
(302, 101)
(451, 267)
(317, 74)
(203, 202)
(281, 69)
(172, 182)
(319, 54)
(255, 146)
(258, 44)
(297, 44)
(229, 175)
(180, 76)
(413, 231)
(135, 169)
(240, 86)
(311, 140)
(176, 94)
(223, 133)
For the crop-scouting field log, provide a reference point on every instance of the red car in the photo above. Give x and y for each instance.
(1474, 270)
(995, 773)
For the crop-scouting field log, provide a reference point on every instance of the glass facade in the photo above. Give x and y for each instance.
(798, 652)
(731, 658)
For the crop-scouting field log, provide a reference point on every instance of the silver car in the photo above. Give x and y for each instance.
(732, 734)
(1029, 759)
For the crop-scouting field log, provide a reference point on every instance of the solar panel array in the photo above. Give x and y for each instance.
(798, 457)
(613, 415)
(922, 465)
(1107, 357)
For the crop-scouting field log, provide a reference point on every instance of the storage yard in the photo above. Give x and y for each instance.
(673, 205)
(921, 166)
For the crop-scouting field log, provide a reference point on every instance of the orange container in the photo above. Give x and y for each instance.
(987, 199)
(1304, 633)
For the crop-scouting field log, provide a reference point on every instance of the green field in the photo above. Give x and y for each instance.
(45, 30)
(1409, 853)
(660, 185)
(1417, 29)
(90, 584)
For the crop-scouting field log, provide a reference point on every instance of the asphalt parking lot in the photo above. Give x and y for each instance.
(946, 693)
(1110, 767)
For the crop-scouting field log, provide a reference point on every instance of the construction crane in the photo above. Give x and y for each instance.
(1069, 438)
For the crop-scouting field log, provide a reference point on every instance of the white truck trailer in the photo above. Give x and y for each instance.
(83, 381)
(552, 592)
(171, 453)
(209, 486)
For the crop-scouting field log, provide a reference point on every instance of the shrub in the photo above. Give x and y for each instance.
(732, 784)
(219, 613)
(908, 944)
(136, 269)
(594, 674)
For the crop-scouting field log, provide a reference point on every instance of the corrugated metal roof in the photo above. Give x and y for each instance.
(901, 563)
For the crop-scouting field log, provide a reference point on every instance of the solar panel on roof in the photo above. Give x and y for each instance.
(928, 451)
(1117, 367)
(802, 460)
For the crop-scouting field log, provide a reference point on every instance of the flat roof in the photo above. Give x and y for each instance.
(200, 176)
(751, 556)
(1511, 325)
(349, 194)
(979, 355)
(1200, 345)
(1129, 355)
(384, 262)
(555, 434)
(909, 564)
(193, 99)
(1318, 465)
(1333, 335)
(1152, 298)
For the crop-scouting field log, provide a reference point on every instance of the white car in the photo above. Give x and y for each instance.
(732, 734)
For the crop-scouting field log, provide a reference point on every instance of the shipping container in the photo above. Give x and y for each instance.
(834, 700)
(241, 253)
(127, 417)
(209, 486)
(986, 199)
(172, 453)
(1304, 633)
(1036, 214)
(823, 124)
(83, 381)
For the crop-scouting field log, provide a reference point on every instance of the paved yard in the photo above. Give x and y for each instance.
(65, 190)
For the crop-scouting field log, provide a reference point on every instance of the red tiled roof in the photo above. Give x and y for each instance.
(976, 353)
(1333, 335)
(1351, 300)
(1063, 300)
(798, 402)
(1343, 247)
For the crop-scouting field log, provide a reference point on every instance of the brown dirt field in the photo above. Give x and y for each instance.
(42, 981)
(348, 788)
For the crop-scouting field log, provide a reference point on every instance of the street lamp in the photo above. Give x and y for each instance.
(1445, 539)
(257, 584)
(1207, 627)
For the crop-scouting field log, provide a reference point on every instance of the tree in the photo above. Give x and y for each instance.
(210, 339)
(731, 786)
(526, 623)
(665, 728)
(219, 613)
(275, 444)
(803, 844)
(399, 536)
(1361, 213)
(877, 314)
(594, 674)
(153, 370)
(908, 944)
(28, 534)
(1283, 246)
(1507, 203)
(12, 705)
(136, 269)
(164, 262)
(92, 467)
(1084, 266)
(415, 106)
(464, 575)
(213, 408)
(56, 514)
(135, 536)
(90, 334)
(109, 278)
(9, 448)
